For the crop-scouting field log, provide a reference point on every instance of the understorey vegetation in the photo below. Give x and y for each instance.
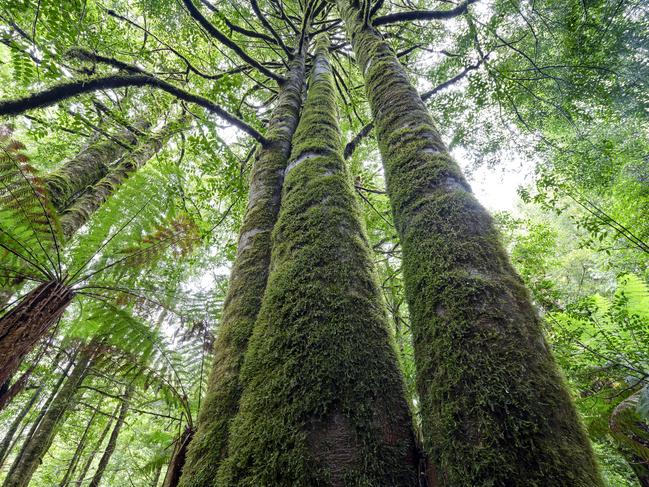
(324, 243)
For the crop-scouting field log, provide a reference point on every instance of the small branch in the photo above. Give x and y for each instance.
(69, 90)
(264, 21)
(423, 14)
(236, 28)
(225, 40)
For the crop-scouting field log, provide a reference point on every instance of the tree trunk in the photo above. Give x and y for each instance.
(80, 447)
(7, 440)
(112, 441)
(172, 477)
(77, 214)
(25, 324)
(631, 432)
(495, 409)
(323, 400)
(89, 166)
(37, 445)
(95, 450)
(247, 284)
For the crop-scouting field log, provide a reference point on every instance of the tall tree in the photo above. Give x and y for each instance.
(494, 406)
(323, 399)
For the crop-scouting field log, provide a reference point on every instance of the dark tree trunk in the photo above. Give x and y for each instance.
(177, 462)
(37, 444)
(112, 442)
(495, 409)
(247, 283)
(25, 324)
(323, 400)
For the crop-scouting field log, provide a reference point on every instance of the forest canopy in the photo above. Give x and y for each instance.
(239, 244)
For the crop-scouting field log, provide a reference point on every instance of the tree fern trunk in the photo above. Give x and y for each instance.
(323, 401)
(172, 477)
(27, 322)
(247, 284)
(112, 441)
(37, 445)
(495, 409)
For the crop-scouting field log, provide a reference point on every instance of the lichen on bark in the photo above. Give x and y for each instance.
(247, 284)
(495, 409)
(323, 400)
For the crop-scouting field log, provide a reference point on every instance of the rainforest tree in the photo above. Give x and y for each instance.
(237, 248)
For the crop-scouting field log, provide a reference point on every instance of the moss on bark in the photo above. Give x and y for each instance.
(247, 284)
(88, 167)
(323, 401)
(495, 409)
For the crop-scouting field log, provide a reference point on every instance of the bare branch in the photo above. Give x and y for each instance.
(423, 14)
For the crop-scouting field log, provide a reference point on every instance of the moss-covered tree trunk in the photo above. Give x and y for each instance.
(88, 167)
(631, 431)
(247, 283)
(37, 445)
(112, 440)
(24, 325)
(495, 409)
(77, 214)
(323, 400)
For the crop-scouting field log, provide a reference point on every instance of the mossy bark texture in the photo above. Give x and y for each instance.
(323, 401)
(495, 409)
(77, 214)
(247, 284)
(37, 445)
(90, 165)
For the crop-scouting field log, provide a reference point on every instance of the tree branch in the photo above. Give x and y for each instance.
(218, 35)
(236, 28)
(269, 28)
(61, 92)
(423, 14)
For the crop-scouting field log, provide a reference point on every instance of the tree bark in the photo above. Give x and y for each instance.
(172, 477)
(323, 400)
(25, 324)
(88, 167)
(37, 445)
(247, 284)
(631, 432)
(79, 212)
(112, 441)
(495, 409)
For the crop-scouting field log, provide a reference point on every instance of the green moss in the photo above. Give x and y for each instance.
(495, 409)
(323, 400)
(247, 284)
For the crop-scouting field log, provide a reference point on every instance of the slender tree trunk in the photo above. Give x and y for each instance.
(112, 441)
(247, 283)
(88, 167)
(95, 450)
(80, 447)
(495, 409)
(7, 440)
(37, 445)
(631, 432)
(323, 400)
(172, 477)
(78, 213)
(25, 324)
